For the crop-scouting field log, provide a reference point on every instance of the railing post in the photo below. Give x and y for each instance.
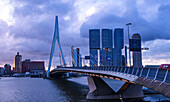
(109, 68)
(137, 72)
(155, 74)
(114, 68)
(147, 74)
(164, 77)
(121, 69)
(125, 69)
(141, 72)
(132, 71)
(128, 70)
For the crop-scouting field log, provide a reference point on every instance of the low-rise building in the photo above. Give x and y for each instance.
(35, 67)
(7, 69)
(1, 71)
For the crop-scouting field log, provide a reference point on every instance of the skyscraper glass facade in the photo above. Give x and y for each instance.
(106, 52)
(118, 46)
(109, 56)
(107, 39)
(106, 57)
(94, 46)
(137, 55)
(94, 38)
(118, 38)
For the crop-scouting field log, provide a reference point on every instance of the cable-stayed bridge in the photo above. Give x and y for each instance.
(154, 78)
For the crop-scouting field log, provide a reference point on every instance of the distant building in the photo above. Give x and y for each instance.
(33, 66)
(118, 46)
(18, 63)
(7, 69)
(137, 55)
(107, 38)
(152, 66)
(94, 46)
(106, 52)
(1, 71)
(106, 56)
(76, 57)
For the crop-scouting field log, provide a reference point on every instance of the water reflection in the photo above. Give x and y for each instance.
(74, 92)
(44, 90)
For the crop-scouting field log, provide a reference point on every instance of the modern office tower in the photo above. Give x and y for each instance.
(94, 46)
(106, 56)
(107, 38)
(72, 55)
(137, 55)
(106, 52)
(76, 57)
(78, 54)
(7, 69)
(118, 46)
(18, 63)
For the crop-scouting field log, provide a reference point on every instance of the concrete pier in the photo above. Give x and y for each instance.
(99, 89)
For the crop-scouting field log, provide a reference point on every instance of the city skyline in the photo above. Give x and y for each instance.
(26, 26)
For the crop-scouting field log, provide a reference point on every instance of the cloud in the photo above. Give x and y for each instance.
(158, 52)
(29, 24)
(149, 19)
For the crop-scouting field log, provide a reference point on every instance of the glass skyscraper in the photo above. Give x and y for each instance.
(118, 46)
(137, 55)
(106, 52)
(94, 46)
(106, 56)
(107, 38)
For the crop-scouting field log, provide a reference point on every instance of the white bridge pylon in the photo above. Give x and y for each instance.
(55, 37)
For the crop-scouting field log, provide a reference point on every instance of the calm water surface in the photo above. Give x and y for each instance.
(43, 90)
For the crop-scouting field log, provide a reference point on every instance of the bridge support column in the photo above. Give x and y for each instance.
(99, 89)
(130, 90)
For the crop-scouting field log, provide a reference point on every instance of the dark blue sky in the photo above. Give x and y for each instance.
(27, 26)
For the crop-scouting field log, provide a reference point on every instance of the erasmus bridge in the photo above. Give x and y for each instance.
(135, 78)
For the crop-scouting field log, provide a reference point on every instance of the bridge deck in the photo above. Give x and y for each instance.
(153, 78)
(128, 77)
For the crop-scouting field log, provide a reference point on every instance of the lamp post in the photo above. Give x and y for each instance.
(129, 44)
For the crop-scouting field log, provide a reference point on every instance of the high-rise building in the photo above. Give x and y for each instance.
(107, 38)
(94, 46)
(118, 46)
(94, 38)
(18, 63)
(137, 55)
(106, 56)
(76, 57)
(7, 69)
(106, 52)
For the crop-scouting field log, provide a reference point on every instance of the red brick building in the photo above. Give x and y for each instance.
(33, 66)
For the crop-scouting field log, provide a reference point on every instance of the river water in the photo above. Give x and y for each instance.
(43, 90)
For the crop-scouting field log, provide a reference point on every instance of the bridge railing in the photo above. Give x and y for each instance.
(151, 73)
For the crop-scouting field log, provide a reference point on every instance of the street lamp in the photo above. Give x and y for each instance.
(128, 24)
